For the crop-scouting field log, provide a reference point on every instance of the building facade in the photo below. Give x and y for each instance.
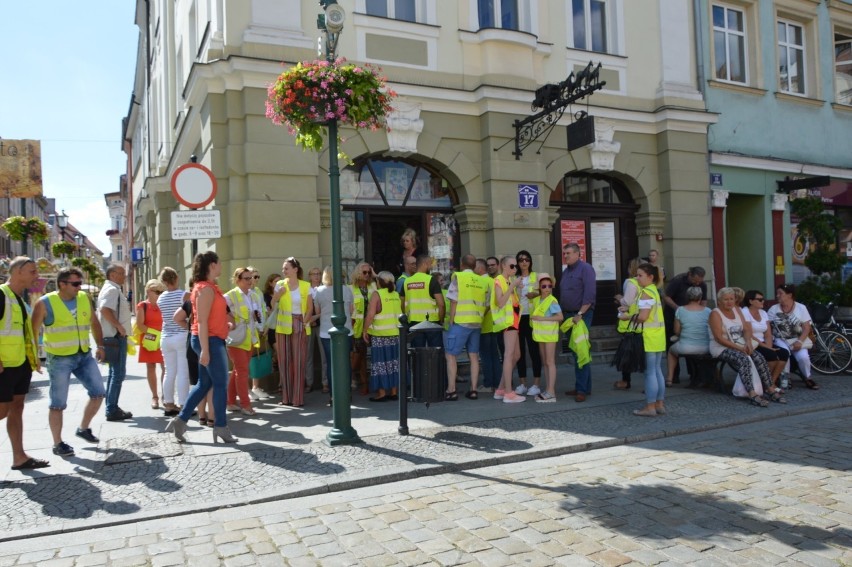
(464, 74)
(779, 75)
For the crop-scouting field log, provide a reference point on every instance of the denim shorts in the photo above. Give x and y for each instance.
(459, 337)
(86, 370)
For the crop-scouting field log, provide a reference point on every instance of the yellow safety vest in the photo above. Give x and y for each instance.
(17, 342)
(386, 323)
(543, 331)
(67, 335)
(284, 324)
(470, 302)
(419, 305)
(488, 318)
(359, 310)
(654, 330)
(242, 315)
(257, 297)
(446, 310)
(503, 316)
(632, 310)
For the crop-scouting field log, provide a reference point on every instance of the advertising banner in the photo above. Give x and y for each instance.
(20, 168)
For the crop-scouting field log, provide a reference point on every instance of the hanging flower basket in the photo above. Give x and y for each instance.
(312, 93)
(22, 228)
(63, 249)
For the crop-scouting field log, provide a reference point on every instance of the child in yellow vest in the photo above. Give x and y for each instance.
(545, 316)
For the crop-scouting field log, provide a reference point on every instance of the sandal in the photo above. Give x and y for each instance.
(451, 396)
(155, 402)
(758, 401)
(811, 384)
(777, 397)
(621, 385)
(472, 395)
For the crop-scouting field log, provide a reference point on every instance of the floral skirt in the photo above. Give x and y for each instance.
(384, 363)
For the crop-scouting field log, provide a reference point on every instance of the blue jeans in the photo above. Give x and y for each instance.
(214, 375)
(655, 382)
(582, 376)
(326, 348)
(117, 360)
(83, 366)
(489, 354)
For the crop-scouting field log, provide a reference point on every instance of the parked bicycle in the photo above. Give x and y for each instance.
(832, 351)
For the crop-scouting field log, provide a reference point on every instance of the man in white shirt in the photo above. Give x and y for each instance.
(114, 316)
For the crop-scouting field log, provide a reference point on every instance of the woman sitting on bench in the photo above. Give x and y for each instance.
(690, 331)
(791, 325)
(776, 357)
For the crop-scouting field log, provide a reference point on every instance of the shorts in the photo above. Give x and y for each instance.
(773, 355)
(459, 337)
(15, 381)
(85, 369)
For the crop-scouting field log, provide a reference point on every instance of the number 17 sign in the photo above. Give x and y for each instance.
(528, 196)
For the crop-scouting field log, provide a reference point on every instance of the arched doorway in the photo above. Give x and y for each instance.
(598, 212)
(381, 198)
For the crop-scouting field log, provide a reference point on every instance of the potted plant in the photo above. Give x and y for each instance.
(22, 228)
(307, 96)
(63, 249)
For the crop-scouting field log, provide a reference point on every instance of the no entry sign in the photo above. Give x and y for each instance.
(194, 185)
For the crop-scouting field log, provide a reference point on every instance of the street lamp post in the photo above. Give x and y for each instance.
(62, 223)
(331, 23)
(78, 240)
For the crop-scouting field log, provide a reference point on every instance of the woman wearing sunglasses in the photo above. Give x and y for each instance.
(242, 304)
(545, 318)
(527, 291)
(506, 314)
(149, 316)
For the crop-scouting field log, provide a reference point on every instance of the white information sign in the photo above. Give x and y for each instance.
(196, 225)
(603, 250)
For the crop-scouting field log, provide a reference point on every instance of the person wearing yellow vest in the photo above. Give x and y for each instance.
(381, 331)
(295, 309)
(653, 338)
(526, 344)
(362, 287)
(545, 316)
(68, 317)
(489, 341)
(422, 300)
(245, 311)
(18, 358)
(467, 294)
(505, 310)
(627, 301)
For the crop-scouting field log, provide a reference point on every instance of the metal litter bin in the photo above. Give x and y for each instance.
(429, 374)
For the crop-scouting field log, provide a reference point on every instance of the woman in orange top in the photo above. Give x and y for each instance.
(210, 326)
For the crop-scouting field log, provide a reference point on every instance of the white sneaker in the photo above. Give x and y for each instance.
(521, 390)
(534, 390)
(513, 398)
(253, 394)
(261, 395)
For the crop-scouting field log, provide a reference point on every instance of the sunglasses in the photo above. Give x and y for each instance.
(158, 292)
(248, 279)
(366, 273)
(255, 277)
(75, 284)
(545, 286)
(523, 259)
(512, 266)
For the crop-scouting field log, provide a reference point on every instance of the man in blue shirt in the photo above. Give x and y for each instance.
(577, 289)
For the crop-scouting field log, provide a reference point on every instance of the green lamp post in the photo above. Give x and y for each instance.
(342, 432)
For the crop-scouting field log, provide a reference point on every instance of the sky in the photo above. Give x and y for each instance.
(66, 76)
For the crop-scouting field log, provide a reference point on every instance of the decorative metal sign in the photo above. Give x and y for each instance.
(551, 101)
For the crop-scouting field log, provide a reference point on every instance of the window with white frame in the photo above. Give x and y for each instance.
(505, 14)
(590, 25)
(119, 253)
(729, 44)
(843, 68)
(791, 57)
(405, 10)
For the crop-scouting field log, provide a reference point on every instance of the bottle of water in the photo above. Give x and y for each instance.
(785, 382)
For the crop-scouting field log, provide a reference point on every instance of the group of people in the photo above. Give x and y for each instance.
(756, 343)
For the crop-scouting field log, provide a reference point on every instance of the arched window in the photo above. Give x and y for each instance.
(393, 183)
(590, 188)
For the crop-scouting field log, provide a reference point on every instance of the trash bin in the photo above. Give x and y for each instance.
(429, 374)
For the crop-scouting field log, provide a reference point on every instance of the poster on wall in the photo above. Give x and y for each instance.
(441, 242)
(801, 245)
(603, 243)
(574, 231)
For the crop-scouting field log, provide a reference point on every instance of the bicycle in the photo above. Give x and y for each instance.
(832, 351)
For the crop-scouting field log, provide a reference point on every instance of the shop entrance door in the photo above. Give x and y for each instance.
(385, 232)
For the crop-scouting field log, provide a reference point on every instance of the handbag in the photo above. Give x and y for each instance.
(630, 355)
(151, 340)
(271, 320)
(238, 334)
(260, 365)
(739, 390)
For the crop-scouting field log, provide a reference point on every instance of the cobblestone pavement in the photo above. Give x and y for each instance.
(777, 492)
(135, 477)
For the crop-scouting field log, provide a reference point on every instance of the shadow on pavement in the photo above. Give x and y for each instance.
(82, 499)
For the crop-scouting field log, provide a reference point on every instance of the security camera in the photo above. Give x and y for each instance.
(335, 16)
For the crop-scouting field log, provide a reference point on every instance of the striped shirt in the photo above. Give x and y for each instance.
(169, 302)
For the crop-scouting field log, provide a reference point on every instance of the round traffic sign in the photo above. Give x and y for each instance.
(193, 185)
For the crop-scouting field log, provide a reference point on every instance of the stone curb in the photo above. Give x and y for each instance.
(363, 478)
